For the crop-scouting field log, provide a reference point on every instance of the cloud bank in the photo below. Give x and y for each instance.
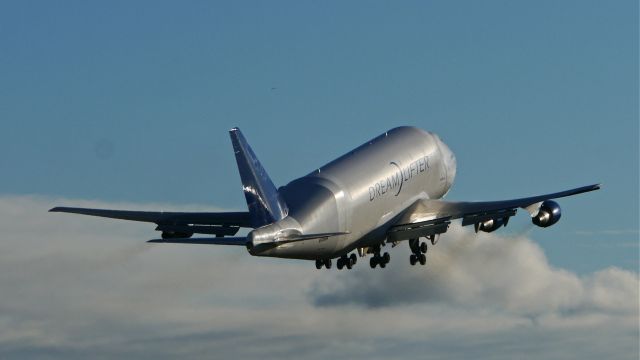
(78, 287)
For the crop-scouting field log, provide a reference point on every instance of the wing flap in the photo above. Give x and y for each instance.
(418, 229)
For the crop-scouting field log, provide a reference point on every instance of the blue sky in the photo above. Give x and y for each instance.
(105, 103)
(132, 101)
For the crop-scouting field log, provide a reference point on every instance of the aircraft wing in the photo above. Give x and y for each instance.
(179, 223)
(432, 217)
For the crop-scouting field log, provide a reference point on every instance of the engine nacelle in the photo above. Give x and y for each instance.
(176, 235)
(490, 225)
(548, 214)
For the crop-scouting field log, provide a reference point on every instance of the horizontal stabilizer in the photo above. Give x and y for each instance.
(240, 241)
(294, 238)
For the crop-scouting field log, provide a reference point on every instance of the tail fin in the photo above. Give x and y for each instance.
(263, 200)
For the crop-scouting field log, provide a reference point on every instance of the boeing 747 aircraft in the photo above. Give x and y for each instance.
(388, 190)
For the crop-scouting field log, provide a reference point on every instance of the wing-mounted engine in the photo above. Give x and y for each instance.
(489, 221)
(175, 231)
(548, 214)
(491, 224)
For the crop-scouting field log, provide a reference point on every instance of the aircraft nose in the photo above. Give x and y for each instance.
(450, 162)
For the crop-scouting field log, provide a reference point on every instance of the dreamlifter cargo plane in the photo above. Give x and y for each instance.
(385, 191)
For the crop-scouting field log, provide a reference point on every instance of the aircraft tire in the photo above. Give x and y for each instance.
(412, 259)
(383, 264)
(423, 247)
(327, 263)
(423, 259)
(373, 262)
(340, 264)
(319, 264)
(386, 258)
(353, 259)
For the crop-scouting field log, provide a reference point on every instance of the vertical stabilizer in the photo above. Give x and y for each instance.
(265, 205)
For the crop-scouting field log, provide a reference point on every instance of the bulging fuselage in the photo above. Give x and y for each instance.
(361, 194)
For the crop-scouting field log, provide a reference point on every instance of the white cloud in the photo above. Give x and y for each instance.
(77, 287)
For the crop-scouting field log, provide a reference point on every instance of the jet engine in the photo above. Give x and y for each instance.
(175, 235)
(490, 225)
(548, 214)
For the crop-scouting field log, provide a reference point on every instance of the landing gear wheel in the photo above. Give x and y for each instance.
(353, 259)
(383, 264)
(340, 264)
(319, 264)
(386, 258)
(373, 262)
(423, 247)
(423, 259)
(347, 263)
(327, 263)
(413, 259)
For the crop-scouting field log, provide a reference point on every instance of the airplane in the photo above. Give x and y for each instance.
(388, 190)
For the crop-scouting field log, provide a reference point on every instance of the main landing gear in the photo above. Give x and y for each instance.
(378, 259)
(323, 262)
(343, 261)
(347, 262)
(419, 250)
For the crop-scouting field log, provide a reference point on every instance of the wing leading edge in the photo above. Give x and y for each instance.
(178, 223)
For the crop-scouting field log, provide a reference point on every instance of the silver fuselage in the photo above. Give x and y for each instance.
(361, 193)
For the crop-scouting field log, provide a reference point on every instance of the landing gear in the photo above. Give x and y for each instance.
(323, 262)
(343, 261)
(423, 259)
(419, 249)
(378, 259)
(347, 262)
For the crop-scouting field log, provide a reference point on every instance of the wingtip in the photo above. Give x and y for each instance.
(54, 209)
